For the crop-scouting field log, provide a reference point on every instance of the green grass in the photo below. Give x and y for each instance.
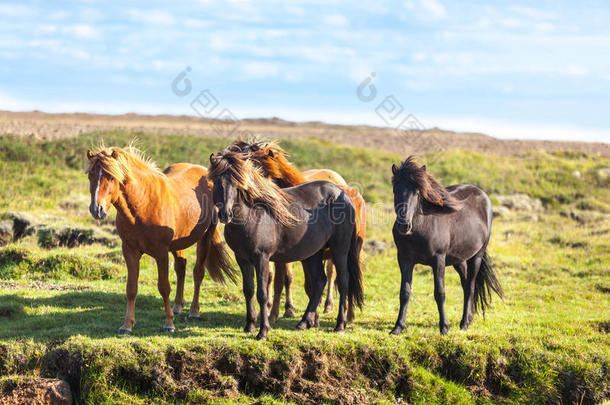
(546, 342)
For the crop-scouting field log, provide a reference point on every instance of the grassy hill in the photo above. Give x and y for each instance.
(62, 292)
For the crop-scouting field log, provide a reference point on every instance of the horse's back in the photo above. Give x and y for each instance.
(326, 175)
(474, 199)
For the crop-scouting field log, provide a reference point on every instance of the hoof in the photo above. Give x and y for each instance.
(194, 317)
(302, 325)
(339, 329)
(124, 331)
(273, 317)
(169, 329)
(289, 313)
(444, 329)
(261, 336)
(328, 307)
(249, 328)
(177, 310)
(396, 331)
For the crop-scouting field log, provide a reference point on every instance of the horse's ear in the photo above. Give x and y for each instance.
(114, 154)
(271, 153)
(90, 154)
(394, 169)
(212, 158)
(423, 168)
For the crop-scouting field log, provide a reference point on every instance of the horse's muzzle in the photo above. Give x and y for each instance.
(405, 228)
(98, 212)
(224, 216)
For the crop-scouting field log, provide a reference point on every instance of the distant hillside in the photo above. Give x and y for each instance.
(50, 126)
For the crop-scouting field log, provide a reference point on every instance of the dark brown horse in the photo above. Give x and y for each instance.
(266, 223)
(439, 227)
(158, 212)
(272, 160)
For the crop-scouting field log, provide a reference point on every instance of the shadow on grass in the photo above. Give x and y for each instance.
(99, 315)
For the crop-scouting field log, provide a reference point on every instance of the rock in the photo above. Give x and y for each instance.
(500, 211)
(6, 232)
(38, 391)
(520, 202)
(22, 224)
(52, 236)
(375, 246)
(603, 174)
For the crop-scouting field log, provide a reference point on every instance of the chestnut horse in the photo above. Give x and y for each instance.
(272, 160)
(158, 212)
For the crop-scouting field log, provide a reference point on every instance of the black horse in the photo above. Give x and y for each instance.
(439, 227)
(264, 222)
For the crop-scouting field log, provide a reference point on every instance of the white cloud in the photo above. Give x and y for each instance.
(433, 8)
(152, 17)
(257, 70)
(15, 10)
(337, 20)
(82, 31)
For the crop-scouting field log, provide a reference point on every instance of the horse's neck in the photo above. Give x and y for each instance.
(135, 199)
(292, 175)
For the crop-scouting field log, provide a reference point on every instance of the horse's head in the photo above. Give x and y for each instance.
(225, 192)
(103, 187)
(406, 199)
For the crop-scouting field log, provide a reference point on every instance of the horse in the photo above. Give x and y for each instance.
(264, 222)
(158, 212)
(272, 160)
(438, 227)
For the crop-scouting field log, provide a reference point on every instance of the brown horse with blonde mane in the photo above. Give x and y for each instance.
(272, 159)
(158, 212)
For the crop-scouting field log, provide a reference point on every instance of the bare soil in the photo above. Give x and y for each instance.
(50, 126)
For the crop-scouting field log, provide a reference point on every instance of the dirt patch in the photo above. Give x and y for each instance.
(51, 126)
(36, 391)
(42, 285)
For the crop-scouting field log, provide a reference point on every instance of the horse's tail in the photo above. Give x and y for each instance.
(485, 283)
(217, 260)
(354, 269)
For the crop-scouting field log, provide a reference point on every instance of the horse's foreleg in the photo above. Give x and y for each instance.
(314, 269)
(342, 282)
(165, 289)
(406, 278)
(439, 292)
(198, 274)
(331, 275)
(247, 273)
(180, 269)
(132, 259)
(262, 290)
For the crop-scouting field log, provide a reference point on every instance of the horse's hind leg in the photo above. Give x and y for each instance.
(198, 274)
(331, 275)
(462, 269)
(314, 267)
(180, 269)
(278, 287)
(473, 267)
(290, 309)
(439, 292)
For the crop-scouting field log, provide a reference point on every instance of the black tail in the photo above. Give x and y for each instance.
(355, 290)
(485, 283)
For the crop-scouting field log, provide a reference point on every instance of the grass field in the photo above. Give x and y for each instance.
(547, 342)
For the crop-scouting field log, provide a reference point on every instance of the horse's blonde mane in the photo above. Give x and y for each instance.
(252, 184)
(120, 163)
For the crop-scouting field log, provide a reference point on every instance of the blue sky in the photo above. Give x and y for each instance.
(510, 69)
